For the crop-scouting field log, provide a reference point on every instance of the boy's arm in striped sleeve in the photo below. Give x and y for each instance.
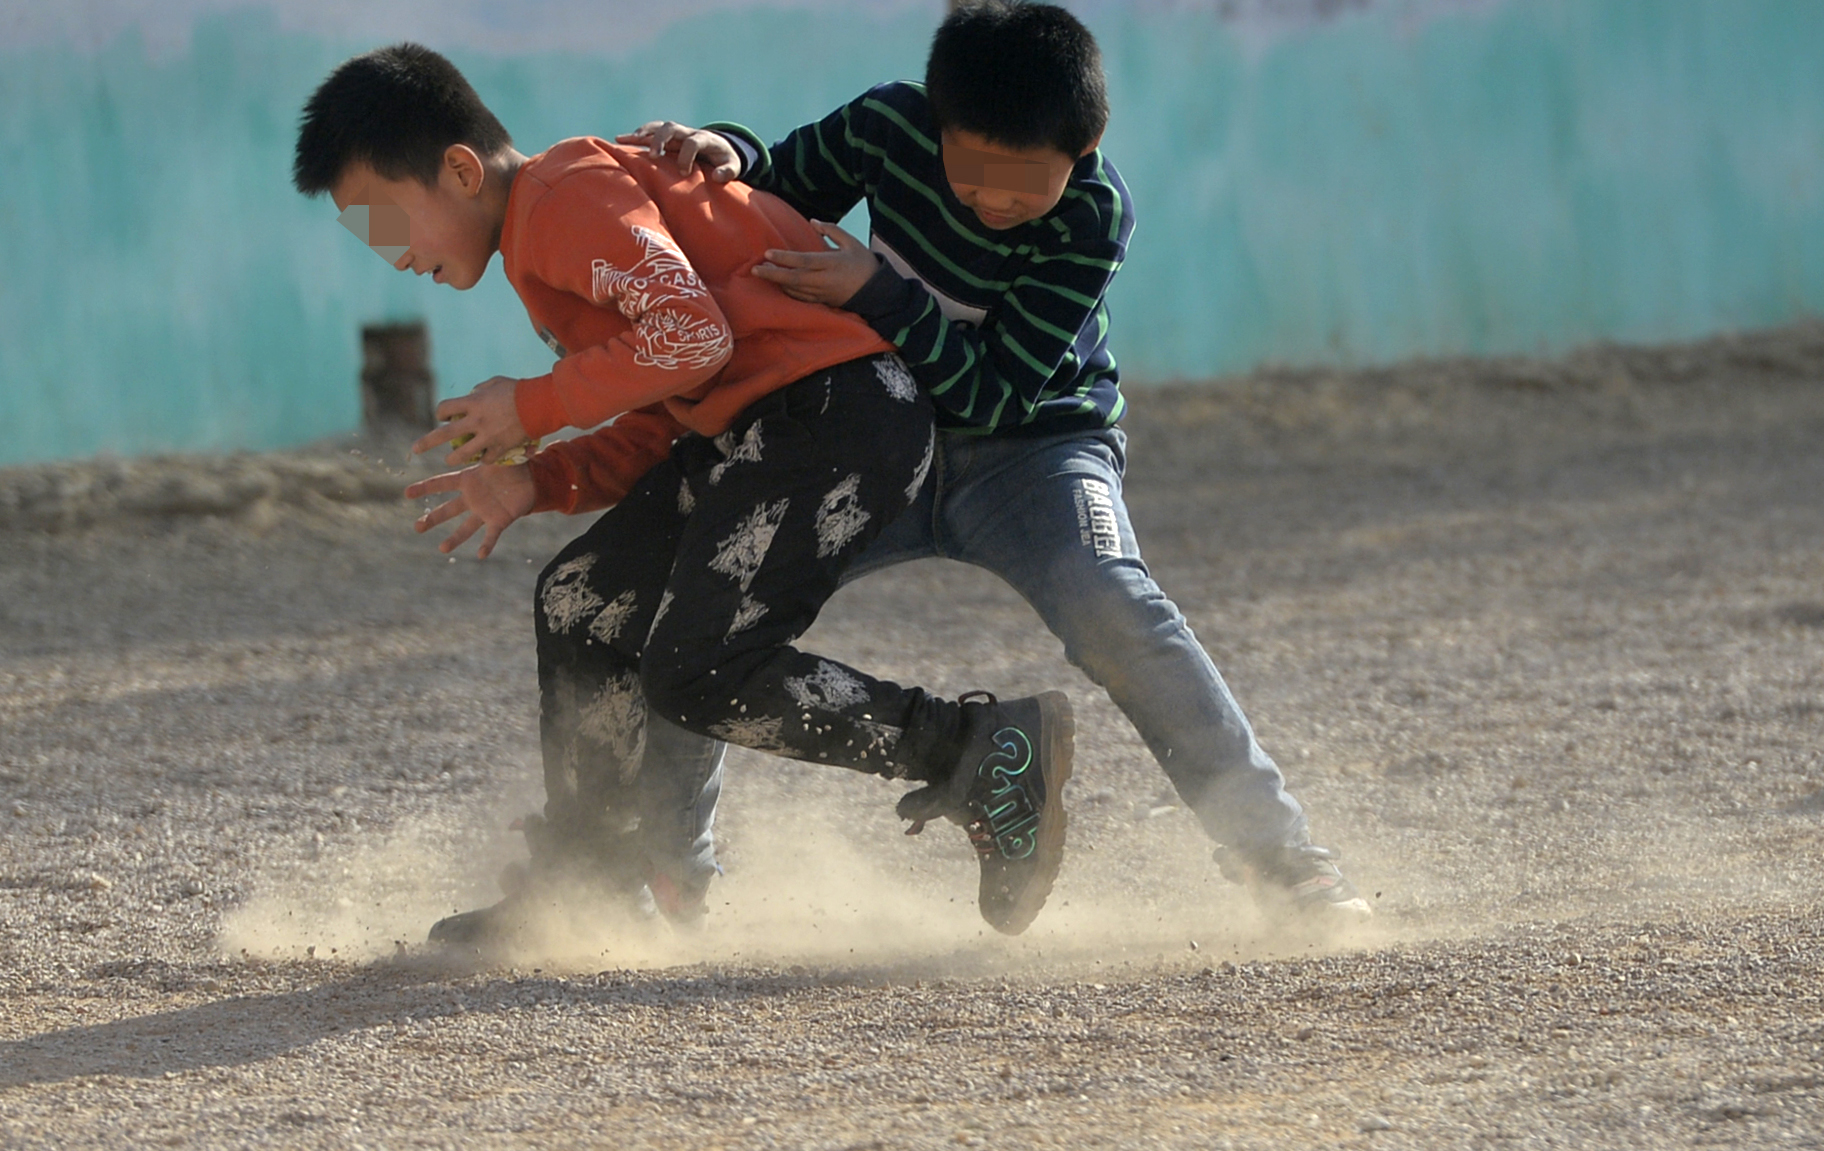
(1032, 342)
(820, 169)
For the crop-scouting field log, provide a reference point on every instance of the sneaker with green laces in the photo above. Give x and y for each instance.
(1007, 792)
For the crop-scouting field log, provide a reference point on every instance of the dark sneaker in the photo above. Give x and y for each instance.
(511, 921)
(560, 878)
(1298, 883)
(1007, 792)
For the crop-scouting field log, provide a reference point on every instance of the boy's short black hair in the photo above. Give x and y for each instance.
(1020, 74)
(395, 109)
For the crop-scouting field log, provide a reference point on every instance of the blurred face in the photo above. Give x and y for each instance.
(1005, 187)
(443, 230)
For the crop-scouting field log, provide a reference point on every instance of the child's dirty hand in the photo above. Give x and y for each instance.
(481, 427)
(831, 276)
(490, 497)
(693, 146)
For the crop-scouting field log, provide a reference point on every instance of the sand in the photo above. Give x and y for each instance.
(1539, 643)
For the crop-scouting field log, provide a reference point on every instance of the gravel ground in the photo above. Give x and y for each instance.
(1539, 643)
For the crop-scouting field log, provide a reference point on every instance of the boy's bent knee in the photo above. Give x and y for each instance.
(1112, 626)
(691, 699)
(1116, 595)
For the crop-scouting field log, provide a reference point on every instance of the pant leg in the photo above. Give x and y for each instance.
(1047, 516)
(676, 793)
(783, 504)
(594, 604)
(681, 775)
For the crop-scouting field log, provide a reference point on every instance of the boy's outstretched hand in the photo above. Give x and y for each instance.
(693, 145)
(492, 495)
(831, 276)
(486, 421)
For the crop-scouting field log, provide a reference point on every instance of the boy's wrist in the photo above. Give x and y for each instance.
(540, 411)
(553, 489)
(749, 147)
(886, 293)
(747, 153)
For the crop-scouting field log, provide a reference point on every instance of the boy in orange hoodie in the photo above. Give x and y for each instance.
(758, 443)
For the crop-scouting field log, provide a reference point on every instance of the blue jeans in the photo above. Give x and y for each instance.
(1047, 516)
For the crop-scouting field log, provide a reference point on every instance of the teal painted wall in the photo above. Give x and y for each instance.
(163, 287)
(1527, 176)
(1531, 177)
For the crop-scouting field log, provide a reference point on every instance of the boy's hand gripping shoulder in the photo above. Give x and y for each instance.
(597, 235)
(822, 169)
(721, 162)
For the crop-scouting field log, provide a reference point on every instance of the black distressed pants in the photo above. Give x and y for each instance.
(683, 602)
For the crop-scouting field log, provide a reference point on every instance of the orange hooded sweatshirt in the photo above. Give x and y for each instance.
(640, 279)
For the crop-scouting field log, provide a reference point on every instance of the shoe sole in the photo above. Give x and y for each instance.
(1057, 738)
(1352, 910)
(1315, 914)
(465, 930)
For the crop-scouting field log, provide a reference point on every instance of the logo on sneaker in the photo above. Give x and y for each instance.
(1008, 811)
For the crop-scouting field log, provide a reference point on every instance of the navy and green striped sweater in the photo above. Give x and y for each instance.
(1007, 330)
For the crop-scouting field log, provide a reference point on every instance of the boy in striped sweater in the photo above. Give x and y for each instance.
(997, 226)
